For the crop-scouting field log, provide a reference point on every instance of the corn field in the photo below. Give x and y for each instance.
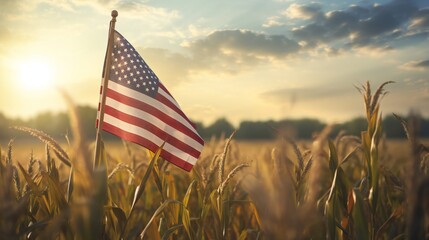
(341, 187)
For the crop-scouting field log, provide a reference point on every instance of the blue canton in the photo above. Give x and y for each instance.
(128, 68)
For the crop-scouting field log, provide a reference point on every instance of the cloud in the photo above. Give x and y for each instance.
(177, 66)
(375, 26)
(237, 48)
(416, 65)
(227, 51)
(310, 11)
(420, 20)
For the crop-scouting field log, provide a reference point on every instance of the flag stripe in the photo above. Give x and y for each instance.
(169, 101)
(151, 106)
(149, 100)
(145, 137)
(148, 144)
(120, 112)
(138, 108)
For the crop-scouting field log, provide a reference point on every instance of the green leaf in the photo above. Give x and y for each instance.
(186, 221)
(142, 185)
(157, 179)
(120, 216)
(333, 157)
(188, 193)
(170, 231)
(33, 186)
(70, 185)
(158, 211)
(243, 235)
(359, 217)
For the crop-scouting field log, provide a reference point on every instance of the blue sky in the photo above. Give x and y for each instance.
(243, 60)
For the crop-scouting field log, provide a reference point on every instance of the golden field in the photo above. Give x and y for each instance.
(340, 187)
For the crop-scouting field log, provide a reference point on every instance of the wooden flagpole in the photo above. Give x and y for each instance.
(106, 74)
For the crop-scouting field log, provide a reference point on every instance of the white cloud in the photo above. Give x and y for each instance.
(296, 11)
(422, 65)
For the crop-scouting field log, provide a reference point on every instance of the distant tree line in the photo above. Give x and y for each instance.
(57, 125)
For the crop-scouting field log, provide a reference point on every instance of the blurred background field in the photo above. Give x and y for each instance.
(249, 150)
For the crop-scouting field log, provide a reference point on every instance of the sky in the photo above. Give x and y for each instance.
(242, 60)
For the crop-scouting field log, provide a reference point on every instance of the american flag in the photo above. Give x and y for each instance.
(140, 109)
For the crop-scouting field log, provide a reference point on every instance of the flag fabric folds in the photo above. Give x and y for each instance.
(138, 108)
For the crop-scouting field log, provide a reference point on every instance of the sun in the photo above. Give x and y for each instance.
(35, 74)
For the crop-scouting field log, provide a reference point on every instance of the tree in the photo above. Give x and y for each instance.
(219, 127)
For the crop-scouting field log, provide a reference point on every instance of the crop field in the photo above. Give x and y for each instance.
(330, 187)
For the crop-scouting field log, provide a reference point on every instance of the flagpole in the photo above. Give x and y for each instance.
(105, 78)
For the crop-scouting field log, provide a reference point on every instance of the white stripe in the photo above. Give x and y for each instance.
(155, 121)
(151, 101)
(169, 97)
(124, 126)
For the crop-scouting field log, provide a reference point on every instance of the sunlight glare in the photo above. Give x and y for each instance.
(35, 74)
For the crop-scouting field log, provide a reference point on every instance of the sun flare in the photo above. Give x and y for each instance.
(35, 74)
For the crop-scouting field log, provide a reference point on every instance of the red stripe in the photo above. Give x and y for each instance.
(148, 144)
(155, 112)
(153, 129)
(174, 106)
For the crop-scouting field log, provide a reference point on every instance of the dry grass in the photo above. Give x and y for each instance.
(349, 187)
